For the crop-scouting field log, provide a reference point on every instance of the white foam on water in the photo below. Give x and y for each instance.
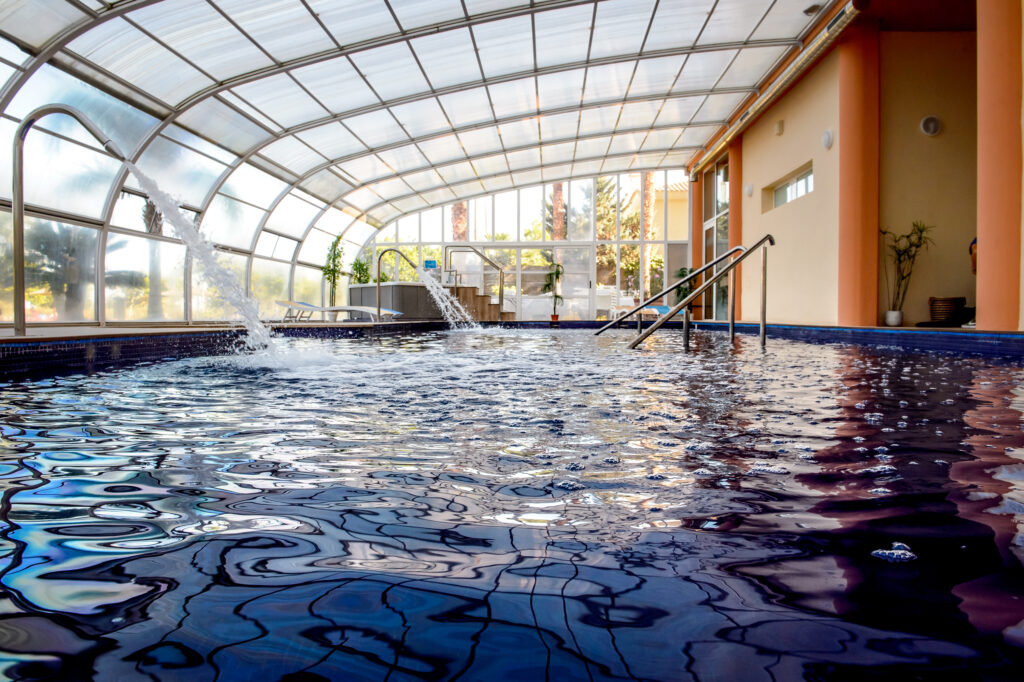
(257, 334)
(453, 312)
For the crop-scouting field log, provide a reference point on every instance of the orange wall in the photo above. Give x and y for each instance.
(933, 179)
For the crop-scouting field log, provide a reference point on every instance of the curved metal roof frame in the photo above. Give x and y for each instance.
(58, 44)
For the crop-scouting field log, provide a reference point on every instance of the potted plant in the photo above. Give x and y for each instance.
(903, 249)
(333, 272)
(360, 271)
(685, 290)
(551, 281)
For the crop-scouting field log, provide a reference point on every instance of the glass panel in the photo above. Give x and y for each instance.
(467, 107)
(626, 144)
(554, 211)
(638, 115)
(708, 183)
(491, 165)
(443, 149)
(620, 27)
(315, 246)
(480, 141)
(249, 110)
(722, 287)
(416, 13)
(733, 20)
(606, 293)
(270, 284)
(678, 206)
(386, 234)
(250, 184)
(501, 46)
(337, 85)
(179, 134)
(722, 186)
(497, 183)
(531, 214)
(709, 255)
(273, 246)
(145, 279)
(391, 70)
(332, 140)
(654, 271)
(37, 21)
(406, 273)
(560, 89)
(128, 212)
(292, 216)
(562, 35)
(661, 139)
(559, 126)
(358, 232)
(217, 121)
(293, 155)
(457, 173)
(179, 171)
(654, 193)
(520, 133)
(281, 98)
(334, 221)
(536, 263)
(629, 274)
(422, 117)
(606, 206)
(703, 69)
(12, 53)
(77, 183)
(654, 76)
(581, 206)
(527, 158)
(630, 200)
(403, 159)
(599, 120)
(352, 21)
(447, 57)
(366, 168)
(384, 267)
(482, 220)
(325, 185)
(506, 206)
(231, 222)
(677, 24)
(424, 180)
(514, 98)
(308, 287)
(718, 107)
(60, 271)
(678, 259)
(608, 82)
(593, 148)
(456, 222)
(557, 153)
(376, 128)
(678, 110)
(282, 27)
(409, 228)
(208, 302)
(430, 225)
(750, 66)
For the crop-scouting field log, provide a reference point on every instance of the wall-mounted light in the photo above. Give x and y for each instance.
(811, 10)
(749, 189)
(931, 126)
(827, 139)
(780, 127)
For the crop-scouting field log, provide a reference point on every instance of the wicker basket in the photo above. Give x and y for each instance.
(942, 308)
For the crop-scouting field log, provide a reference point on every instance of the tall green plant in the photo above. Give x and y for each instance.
(360, 271)
(904, 249)
(551, 280)
(332, 268)
(685, 290)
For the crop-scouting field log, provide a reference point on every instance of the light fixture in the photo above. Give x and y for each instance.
(826, 139)
(811, 10)
(931, 126)
(749, 189)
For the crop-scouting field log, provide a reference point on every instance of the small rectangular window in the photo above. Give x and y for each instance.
(793, 188)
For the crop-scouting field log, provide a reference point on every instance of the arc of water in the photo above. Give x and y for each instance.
(450, 308)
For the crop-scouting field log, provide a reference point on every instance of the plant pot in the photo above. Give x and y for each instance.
(893, 318)
(554, 318)
(332, 316)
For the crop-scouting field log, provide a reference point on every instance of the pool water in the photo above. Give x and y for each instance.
(510, 504)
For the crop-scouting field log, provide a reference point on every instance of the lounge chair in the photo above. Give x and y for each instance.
(299, 311)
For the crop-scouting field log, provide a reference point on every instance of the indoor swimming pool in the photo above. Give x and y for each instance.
(517, 504)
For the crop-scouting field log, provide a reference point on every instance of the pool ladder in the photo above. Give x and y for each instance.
(734, 256)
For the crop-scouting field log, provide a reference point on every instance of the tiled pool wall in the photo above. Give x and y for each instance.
(41, 358)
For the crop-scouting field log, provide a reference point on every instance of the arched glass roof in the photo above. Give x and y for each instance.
(302, 118)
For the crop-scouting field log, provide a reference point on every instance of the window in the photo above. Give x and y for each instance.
(793, 189)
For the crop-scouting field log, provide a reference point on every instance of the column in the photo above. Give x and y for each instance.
(736, 210)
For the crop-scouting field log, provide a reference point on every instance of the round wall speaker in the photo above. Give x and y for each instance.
(931, 126)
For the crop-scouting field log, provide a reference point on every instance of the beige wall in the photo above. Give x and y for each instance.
(933, 179)
(802, 284)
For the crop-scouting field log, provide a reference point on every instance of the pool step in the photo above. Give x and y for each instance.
(480, 307)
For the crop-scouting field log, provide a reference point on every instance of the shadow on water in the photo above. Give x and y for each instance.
(516, 505)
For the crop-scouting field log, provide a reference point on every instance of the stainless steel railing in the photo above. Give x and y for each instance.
(730, 269)
(379, 257)
(447, 263)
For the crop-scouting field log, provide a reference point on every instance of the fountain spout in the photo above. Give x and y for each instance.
(379, 257)
(18, 193)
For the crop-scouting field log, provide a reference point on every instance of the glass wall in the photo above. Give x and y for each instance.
(619, 238)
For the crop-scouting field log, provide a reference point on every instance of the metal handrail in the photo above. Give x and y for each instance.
(673, 287)
(18, 193)
(379, 257)
(447, 263)
(732, 292)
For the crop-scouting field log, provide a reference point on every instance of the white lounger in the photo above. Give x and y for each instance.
(297, 311)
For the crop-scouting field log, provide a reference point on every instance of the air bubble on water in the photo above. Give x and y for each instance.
(880, 491)
(899, 553)
(655, 477)
(903, 403)
(859, 439)
(570, 485)
(574, 466)
(880, 470)
(703, 472)
(881, 448)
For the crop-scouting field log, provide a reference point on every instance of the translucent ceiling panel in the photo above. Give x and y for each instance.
(438, 196)
(334, 221)
(592, 148)
(366, 168)
(526, 158)
(639, 114)
(696, 136)
(416, 13)
(480, 141)
(326, 185)
(442, 149)
(468, 189)
(557, 153)
(514, 98)
(661, 139)
(253, 185)
(293, 155)
(562, 36)
(786, 19)
(497, 183)
(561, 89)
(584, 168)
(197, 143)
(135, 57)
(231, 222)
(202, 35)
(284, 28)
(474, 7)
(491, 165)
(618, 163)
(526, 178)
(314, 246)
(358, 232)
(424, 180)
(733, 21)
(649, 160)
(703, 69)
(467, 107)
(718, 107)
(557, 172)
(654, 76)
(519, 133)
(403, 159)
(448, 58)
(292, 216)
(599, 119)
(332, 140)
(608, 82)
(376, 128)
(409, 204)
(305, 196)
(502, 46)
(390, 189)
(272, 246)
(678, 110)
(620, 27)
(217, 121)
(559, 126)
(677, 24)
(281, 98)
(363, 198)
(391, 70)
(179, 171)
(124, 123)
(457, 173)
(624, 144)
(353, 21)
(677, 159)
(248, 109)
(12, 53)
(337, 85)
(750, 66)
(65, 176)
(422, 117)
(37, 21)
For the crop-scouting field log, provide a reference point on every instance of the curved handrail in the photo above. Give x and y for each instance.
(18, 193)
(447, 262)
(379, 257)
(673, 287)
(704, 287)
